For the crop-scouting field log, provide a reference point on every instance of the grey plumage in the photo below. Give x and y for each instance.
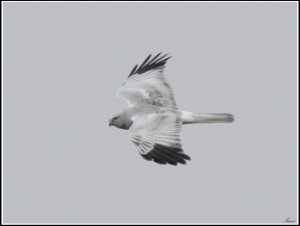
(153, 119)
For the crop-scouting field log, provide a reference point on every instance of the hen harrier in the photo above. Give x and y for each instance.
(153, 119)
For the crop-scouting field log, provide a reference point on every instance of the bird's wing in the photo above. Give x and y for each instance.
(157, 136)
(146, 84)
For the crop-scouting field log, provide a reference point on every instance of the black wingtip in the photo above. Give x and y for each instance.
(150, 64)
(166, 155)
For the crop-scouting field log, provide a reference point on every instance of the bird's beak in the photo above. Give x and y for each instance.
(110, 122)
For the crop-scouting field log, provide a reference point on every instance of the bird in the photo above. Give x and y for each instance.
(153, 119)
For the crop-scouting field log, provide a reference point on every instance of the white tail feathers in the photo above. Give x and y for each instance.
(190, 117)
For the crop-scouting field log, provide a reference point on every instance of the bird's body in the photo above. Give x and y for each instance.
(153, 119)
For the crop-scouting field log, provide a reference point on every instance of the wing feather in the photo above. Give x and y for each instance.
(157, 136)
(147, 84)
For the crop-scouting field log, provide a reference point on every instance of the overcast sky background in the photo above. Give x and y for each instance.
(63, 63)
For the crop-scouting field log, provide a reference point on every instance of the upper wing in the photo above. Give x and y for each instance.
(147, 84)
(158, 137)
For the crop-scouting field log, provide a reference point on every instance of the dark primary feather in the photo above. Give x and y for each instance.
(163, 155)
(147, 65)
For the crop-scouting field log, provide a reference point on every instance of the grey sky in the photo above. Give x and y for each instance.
(63, 63)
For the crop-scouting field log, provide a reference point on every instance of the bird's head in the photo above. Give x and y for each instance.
(113, 121)
(120, 120)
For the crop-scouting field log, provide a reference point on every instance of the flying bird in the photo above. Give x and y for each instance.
(153, 119)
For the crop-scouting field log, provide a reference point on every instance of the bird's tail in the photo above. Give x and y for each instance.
(190, 117)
